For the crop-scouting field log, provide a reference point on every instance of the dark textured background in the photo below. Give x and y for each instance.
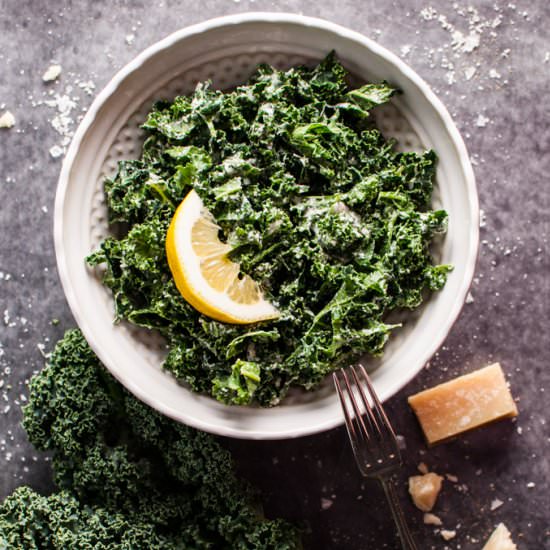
(503, 114)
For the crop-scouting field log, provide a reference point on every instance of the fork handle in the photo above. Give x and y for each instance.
(407, 541)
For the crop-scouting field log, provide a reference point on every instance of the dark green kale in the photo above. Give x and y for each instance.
(30, 521)
(332, 222)
(128, 477)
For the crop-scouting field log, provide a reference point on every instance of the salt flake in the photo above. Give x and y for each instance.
(465, 43)
(428, 13)
(482, 121)
(482, 218)
(469, 72)
(405, 50)
(56, 151)
(450, 77)
(88, 86)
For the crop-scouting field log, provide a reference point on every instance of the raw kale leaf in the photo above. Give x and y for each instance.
(128, 477)
(318, 208)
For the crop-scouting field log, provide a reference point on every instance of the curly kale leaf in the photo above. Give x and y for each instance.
(29, 521)
(332, 222)
(128, 476)
(240, 385)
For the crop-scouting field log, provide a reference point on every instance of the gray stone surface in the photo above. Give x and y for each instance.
(502, 111)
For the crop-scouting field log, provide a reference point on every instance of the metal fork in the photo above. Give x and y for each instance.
(372, 439)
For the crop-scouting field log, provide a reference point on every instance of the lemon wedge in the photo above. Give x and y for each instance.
(203, 273)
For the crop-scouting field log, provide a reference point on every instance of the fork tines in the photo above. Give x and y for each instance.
(372, 437)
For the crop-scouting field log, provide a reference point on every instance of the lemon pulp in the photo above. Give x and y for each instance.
(204, 274)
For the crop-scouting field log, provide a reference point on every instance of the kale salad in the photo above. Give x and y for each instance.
(321, 210)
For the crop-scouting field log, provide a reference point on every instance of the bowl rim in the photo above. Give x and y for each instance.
(262, 17)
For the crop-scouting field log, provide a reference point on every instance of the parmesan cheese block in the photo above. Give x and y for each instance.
(463, 404)
(500, 539)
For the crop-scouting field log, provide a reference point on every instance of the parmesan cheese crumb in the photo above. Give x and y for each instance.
(424, 490)
(7, 120)
(496, 503)
(432, 519)
(448, 535)
(51, 74)
(500, 539)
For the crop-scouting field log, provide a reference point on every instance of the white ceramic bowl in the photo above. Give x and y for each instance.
(226, 50)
